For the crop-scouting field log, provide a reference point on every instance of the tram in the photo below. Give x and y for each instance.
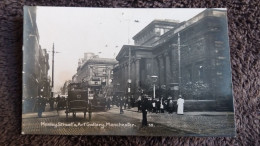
(77, 100)
(84, 97)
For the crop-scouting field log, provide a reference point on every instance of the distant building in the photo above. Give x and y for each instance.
(64, 88)
(204, 58)
(35, 59)
(94, 70)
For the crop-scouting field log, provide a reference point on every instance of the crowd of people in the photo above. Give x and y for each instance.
(154, 105)
(39, 103)
(146, 104)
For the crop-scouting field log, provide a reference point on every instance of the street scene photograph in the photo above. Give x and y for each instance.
(126, 71)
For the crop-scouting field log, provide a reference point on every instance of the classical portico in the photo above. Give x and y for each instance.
(182, 55)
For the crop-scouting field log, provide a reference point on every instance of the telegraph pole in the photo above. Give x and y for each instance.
(179, 60)
(129, 69)
(129, 64)
(52, 81)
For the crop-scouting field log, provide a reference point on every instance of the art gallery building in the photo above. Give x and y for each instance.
(190, 59)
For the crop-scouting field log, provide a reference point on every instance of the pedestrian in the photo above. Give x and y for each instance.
(180, 103)
(40, 106)
(154, 105)
(170, 105)
(108, 102)
(118, 100)
(51, 101)
(149, 104)
(89, 110)
(121, 105)
(129, 101)
(44, 100)
(162, 106)
(144, 111)
(157, 103)
(139, 103)
(124, 100)
(58, 103)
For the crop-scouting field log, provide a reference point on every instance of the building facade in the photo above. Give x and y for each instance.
(36, 81)
(94, 70)
(194, 55)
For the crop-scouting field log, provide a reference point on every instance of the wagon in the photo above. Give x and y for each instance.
(77, 101)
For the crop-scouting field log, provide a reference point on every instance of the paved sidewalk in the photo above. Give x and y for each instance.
(199, 123)
(211, 113)
(46, 114)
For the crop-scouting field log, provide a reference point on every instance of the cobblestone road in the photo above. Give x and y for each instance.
(129, 123)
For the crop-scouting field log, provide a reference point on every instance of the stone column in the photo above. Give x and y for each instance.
(137, 71)
(168, 77)
(126, 76)
(161, 70)
(175, 68)
(133, 72)
(121, 77)
(155, 67)
(109, 76)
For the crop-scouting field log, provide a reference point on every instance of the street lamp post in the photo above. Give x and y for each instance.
(179, 58)
(154, 78)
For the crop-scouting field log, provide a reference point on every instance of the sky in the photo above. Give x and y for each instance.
(103, 31)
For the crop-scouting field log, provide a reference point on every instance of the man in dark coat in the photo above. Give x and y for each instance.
(139, 101)
(170, 105)
(144, 111)
(51, 101)
(108, 102)
(157, 103)
(40, 106)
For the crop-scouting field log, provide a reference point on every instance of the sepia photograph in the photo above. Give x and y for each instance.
(126, 71)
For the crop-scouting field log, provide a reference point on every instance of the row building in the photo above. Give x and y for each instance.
(36, 81)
